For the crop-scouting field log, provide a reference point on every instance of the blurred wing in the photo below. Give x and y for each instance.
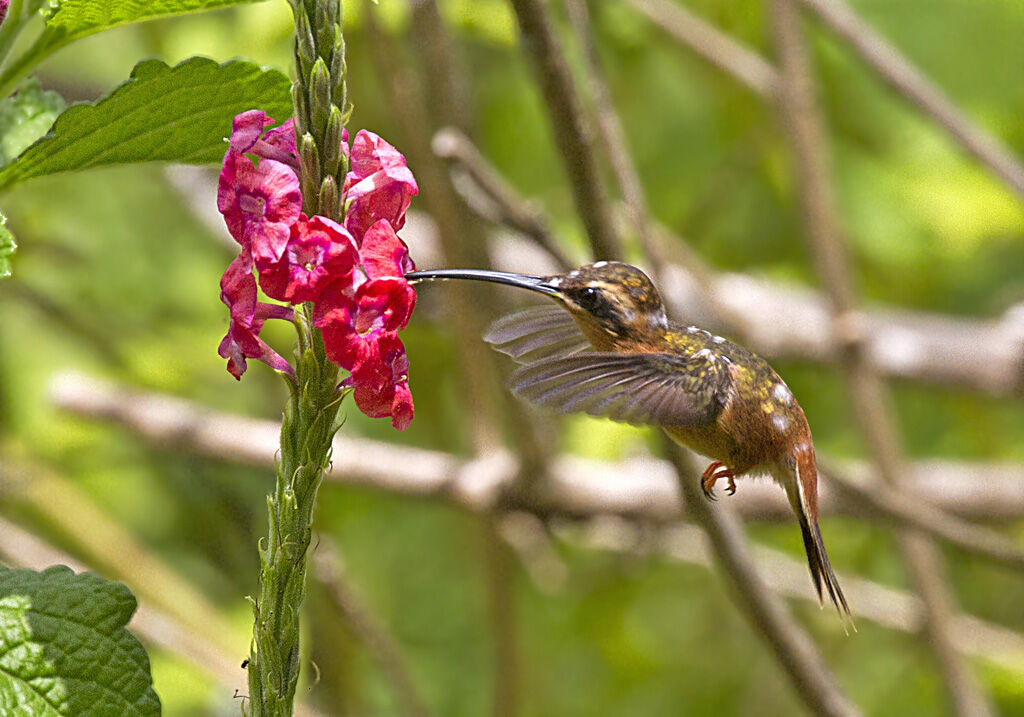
(536, 334)
(656, 388)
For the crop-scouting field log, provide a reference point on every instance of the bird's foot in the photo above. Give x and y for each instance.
(712, 474)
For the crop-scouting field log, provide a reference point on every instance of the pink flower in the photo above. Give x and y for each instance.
(379, 185)
(248, 137)
(238, 291)
(353, 321)
(318, 252)
(383, 253)
(382, 388)
(259, 204)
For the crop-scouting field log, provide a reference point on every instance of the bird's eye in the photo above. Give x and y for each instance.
(589, 298)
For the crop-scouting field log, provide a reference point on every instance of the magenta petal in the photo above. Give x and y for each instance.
(247, 128)
(402, 411)
(390, 298)
(279, 144)
(383, 253)
(259, 204)
(238, 289)
(379, 185)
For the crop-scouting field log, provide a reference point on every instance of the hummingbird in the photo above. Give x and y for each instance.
(605, 347)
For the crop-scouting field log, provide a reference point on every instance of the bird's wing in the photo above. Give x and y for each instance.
(644, 388)
(537, 333)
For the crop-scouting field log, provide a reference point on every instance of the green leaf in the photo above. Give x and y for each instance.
(72, 19)
(64, 649)
(25, 117)
(177, 114)
(7, 247)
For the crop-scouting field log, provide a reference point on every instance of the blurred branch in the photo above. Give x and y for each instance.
(712, 44)
(361, 620)
(109, 545)
(888, 607)
(577, 487)
(790, 644)
(868, 396)
(572, 133)
(68, 321)
(155, 627)
(513, 211)
(915, 86)
(752, 70)
(613, 137)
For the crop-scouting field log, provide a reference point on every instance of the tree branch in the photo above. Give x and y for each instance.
(512, 210)
(908, 81)
(888, 607)
(868, 396)
(572, 133)
(577, 487)
(715, 46)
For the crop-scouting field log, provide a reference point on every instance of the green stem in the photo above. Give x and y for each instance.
(24, 64)
(11, 27)
(310, 416)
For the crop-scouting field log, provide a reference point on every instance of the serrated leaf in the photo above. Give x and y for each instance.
(64, 649)
(7, 247)
(72, 19)
(25, 117)
(177, 114)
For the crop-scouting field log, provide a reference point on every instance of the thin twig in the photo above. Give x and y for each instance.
(365, 625)
(613, 135)
(867, 393)
(712, 44)
(514, 211)
(573, 135)
(911, 83)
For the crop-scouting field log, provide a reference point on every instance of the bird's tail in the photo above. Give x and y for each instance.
(803, 496)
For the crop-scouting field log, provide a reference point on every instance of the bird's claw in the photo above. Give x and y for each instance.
(712, 474)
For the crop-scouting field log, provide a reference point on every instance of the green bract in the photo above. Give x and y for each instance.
(64, 649)
(176, 114)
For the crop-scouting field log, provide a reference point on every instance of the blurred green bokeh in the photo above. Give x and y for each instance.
(116, 277)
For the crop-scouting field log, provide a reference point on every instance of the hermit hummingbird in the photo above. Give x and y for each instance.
(607, 348)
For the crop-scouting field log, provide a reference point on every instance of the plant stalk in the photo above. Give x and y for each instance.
(310, 416)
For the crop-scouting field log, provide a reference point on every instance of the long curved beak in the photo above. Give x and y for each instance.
(533, 283)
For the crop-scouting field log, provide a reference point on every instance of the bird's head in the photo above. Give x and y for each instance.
(612, 302)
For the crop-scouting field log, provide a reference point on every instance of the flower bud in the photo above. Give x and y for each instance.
(301, 110)
(332, 144)
(319, 93)
(338, 69)
(329, 197)
(310, 159)
(305, 48)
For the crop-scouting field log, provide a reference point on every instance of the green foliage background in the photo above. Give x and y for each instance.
(115, 276)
